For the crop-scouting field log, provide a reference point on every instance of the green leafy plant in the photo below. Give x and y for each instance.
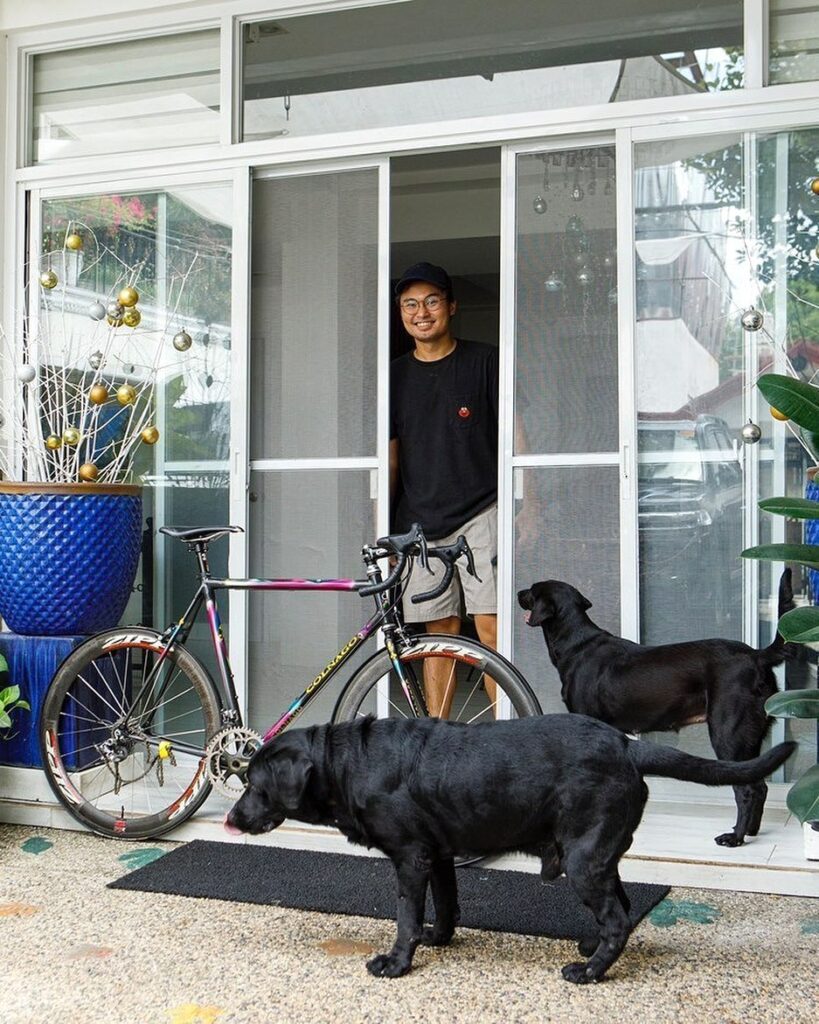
(799, 401)
(9, 698)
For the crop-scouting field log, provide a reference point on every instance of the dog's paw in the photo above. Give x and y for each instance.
(579, 974)
(431, 936)
(728, 839)
(385, 965)
(586, 947)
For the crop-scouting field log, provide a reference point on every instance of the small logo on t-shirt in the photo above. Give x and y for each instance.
(464, 412)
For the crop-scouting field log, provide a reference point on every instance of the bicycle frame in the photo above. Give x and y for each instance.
(384, 617)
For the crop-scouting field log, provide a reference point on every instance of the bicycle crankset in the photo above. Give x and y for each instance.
(227, 757)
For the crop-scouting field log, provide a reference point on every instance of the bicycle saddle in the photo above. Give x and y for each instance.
(199, 534)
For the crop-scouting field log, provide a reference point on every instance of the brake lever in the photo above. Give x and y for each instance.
(465, 549)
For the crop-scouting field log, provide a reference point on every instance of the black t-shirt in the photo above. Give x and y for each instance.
(445, 417)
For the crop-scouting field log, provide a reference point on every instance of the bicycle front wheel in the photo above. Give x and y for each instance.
(480, 685)
(123, 733)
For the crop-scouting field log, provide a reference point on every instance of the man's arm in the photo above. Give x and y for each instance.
(393, 467)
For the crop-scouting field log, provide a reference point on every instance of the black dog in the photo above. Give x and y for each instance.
(646, 689)
(565, 788)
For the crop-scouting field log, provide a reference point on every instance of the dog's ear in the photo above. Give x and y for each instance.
(290, 776)
(584, 602)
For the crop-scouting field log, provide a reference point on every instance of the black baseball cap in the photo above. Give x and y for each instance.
(428, 273)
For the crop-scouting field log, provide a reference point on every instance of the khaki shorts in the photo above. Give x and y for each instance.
(479, 598)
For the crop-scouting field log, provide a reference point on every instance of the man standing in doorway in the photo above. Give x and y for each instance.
(444, 461)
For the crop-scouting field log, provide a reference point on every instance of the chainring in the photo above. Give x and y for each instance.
(227, 757)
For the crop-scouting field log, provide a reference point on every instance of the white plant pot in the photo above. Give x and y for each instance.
(811, 841)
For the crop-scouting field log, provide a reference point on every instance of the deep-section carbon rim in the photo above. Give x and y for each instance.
(481, 684)
(123, 732)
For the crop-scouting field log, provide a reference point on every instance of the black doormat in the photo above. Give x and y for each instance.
(337, 883)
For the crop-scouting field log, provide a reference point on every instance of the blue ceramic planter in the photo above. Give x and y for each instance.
(68, 556)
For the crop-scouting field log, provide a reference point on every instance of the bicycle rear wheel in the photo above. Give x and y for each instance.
(482, 684)
(123, 734)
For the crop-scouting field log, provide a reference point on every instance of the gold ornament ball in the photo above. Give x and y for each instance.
(182, 341)
(150, 435)
(53, 442)
(131, 317)
(115, 321)
(128, 296)
(73, 242)
(814, 186)
(777, 415)
(126, 395)
(48, 279)
(88, 472)
(98, 395)
(71, 436)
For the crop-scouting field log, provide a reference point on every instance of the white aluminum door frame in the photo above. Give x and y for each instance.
(623, 456)
(378, 464)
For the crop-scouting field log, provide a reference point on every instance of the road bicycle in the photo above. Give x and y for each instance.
(135, 733)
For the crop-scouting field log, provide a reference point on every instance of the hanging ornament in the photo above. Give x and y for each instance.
(585, 277)
(88, 472)
(609, 261)
(577, 192)
(115, 313)
(814, 186)
(182, 341)
(126, 394)
(26, 373)
(73, 242)
(752, 319)
(150, 435)
(751, 433)
(98, 395)
(48, 279)
(53, 442)
(539, 204)
(553, 283)
(131, 317)
(799, 363)
(71, 436)
(209, 380)
(575, 226)
(777, 415)
(96, 311)
(128, 296)
(96, 359)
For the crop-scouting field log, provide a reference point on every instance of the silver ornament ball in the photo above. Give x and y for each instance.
(182, 341)
(114, 310)
(752, 319)
(539, 204)
(553, 283)
(95, 360)
(26, 373)
(751, 433)
(96, 311)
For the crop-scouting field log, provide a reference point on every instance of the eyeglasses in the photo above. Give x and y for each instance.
(432, 302)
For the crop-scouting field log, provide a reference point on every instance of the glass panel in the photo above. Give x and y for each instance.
(305, 524)
(693, 280)
(174, 249)
(126, 96)
(794, 45)
(789, 295)
(314, 302)
(410, 63)
(566, 315)
(578, 541)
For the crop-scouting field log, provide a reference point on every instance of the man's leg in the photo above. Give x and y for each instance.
(487, 627)
(439, 673)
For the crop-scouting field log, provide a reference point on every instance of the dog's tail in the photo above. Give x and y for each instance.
(776, 652)
(653, 759)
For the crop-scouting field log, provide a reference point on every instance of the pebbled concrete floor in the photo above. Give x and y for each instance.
(75, 952)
